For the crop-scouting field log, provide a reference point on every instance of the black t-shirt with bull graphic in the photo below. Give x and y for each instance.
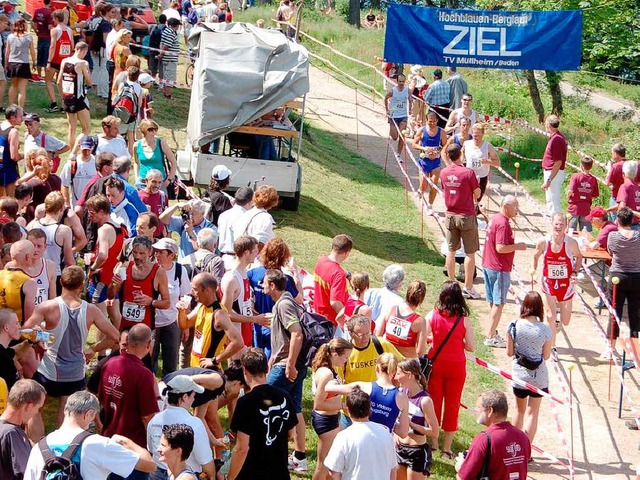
(266, 414)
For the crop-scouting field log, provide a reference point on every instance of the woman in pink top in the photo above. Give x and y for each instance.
(355, 305)
(449, 370)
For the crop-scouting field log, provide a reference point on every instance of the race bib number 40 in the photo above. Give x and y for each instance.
(557, 272)
(398, 327)
(133, 312)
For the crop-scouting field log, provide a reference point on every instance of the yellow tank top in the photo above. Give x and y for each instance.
(73, 17)
(4, 394)
(11, 294)
(207, 341)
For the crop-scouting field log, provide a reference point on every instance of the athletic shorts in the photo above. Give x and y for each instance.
(97, 292)
(54, 66)
(324, 423)
(59, 389)
(524, 393)
(20, 70)
(427, 165)
(561, 289)
(75, 105)
(465, 228)
(399, 121)
(414, 457)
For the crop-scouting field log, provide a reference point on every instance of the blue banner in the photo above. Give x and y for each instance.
(528, 40)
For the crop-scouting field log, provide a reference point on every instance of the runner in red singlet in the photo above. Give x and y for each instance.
(61, 47)
(403, 327)
(143, 289)
(561, 262)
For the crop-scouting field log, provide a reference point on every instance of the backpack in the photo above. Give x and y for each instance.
(156, 36)
(61, 467)
(94, 35)
(145, 46)
(125, 104)
(192, 18)
(317, 330)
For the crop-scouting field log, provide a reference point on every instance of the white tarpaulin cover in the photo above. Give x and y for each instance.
(242, 72)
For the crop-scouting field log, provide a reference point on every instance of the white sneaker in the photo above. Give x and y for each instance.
(471, 293)
(605, 356)
(296, 465)
(495, 342)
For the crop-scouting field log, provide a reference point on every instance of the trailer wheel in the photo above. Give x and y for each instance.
(291, 203)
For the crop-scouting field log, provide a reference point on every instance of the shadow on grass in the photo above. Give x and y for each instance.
(394, 247)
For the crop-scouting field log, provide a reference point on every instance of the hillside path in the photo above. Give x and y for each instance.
(603, 446)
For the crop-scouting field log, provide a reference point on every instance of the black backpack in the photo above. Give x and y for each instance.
(61, 467)
(156, 37)
(94, 35)
(317, 330)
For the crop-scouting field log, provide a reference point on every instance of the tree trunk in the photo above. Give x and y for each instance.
(553, 79)
(354, 13)
(534, 93)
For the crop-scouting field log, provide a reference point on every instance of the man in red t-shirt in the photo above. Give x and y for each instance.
(128, 389)
(42, 24)
(553, 160)
(151, 195)
(461, 191)
(330, 289)
(583, 188)
(510, 448)
(598, 217)
(497, 262)
(629, 191)
(615, 178)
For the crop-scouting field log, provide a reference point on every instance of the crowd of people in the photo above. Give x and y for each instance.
(139, 319)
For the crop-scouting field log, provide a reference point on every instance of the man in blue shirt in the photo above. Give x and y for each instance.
(438, 96)
(188, 224)
(122, 212)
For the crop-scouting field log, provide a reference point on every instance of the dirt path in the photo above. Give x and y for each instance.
(603, 101)
(603, 446)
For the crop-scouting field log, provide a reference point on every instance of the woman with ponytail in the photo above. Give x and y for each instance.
(355, 305)
(389, 406)
(326, 406)
(413, 452)
(403, 327)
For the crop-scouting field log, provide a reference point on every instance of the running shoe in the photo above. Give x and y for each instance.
(296, 465)
(554, 354)
(496, 341)
(628, 366)
(471, 293)
(631, 424)
(605, 356)
(53, 108)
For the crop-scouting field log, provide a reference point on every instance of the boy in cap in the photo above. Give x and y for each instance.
(77, 172)
(220, 201)
(180, 392)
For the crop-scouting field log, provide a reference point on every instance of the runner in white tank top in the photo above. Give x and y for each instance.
(453, 123)
(54, 250)
(42, 282)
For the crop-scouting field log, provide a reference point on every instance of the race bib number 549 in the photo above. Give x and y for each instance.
(133, 312)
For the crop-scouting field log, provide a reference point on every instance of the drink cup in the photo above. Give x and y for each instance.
(88, 258)
(122, 272)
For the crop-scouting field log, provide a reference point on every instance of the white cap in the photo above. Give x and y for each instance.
(220, 172)
(166, 244)
(145, 78)
(184, 384)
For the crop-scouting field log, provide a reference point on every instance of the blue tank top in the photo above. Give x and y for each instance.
(383, 405)
(415, 408)
(458, 141)
(428, 141)
(155, 161)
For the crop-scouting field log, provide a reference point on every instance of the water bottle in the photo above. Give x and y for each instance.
(226, 455)
(37, 335)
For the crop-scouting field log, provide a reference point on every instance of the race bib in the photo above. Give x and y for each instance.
(556, 272)
(476, 163)
(133, 312)
(198, 341)
(401, 105)
(41, 295)
(398, 327)
(65, 50)
(67, 87)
